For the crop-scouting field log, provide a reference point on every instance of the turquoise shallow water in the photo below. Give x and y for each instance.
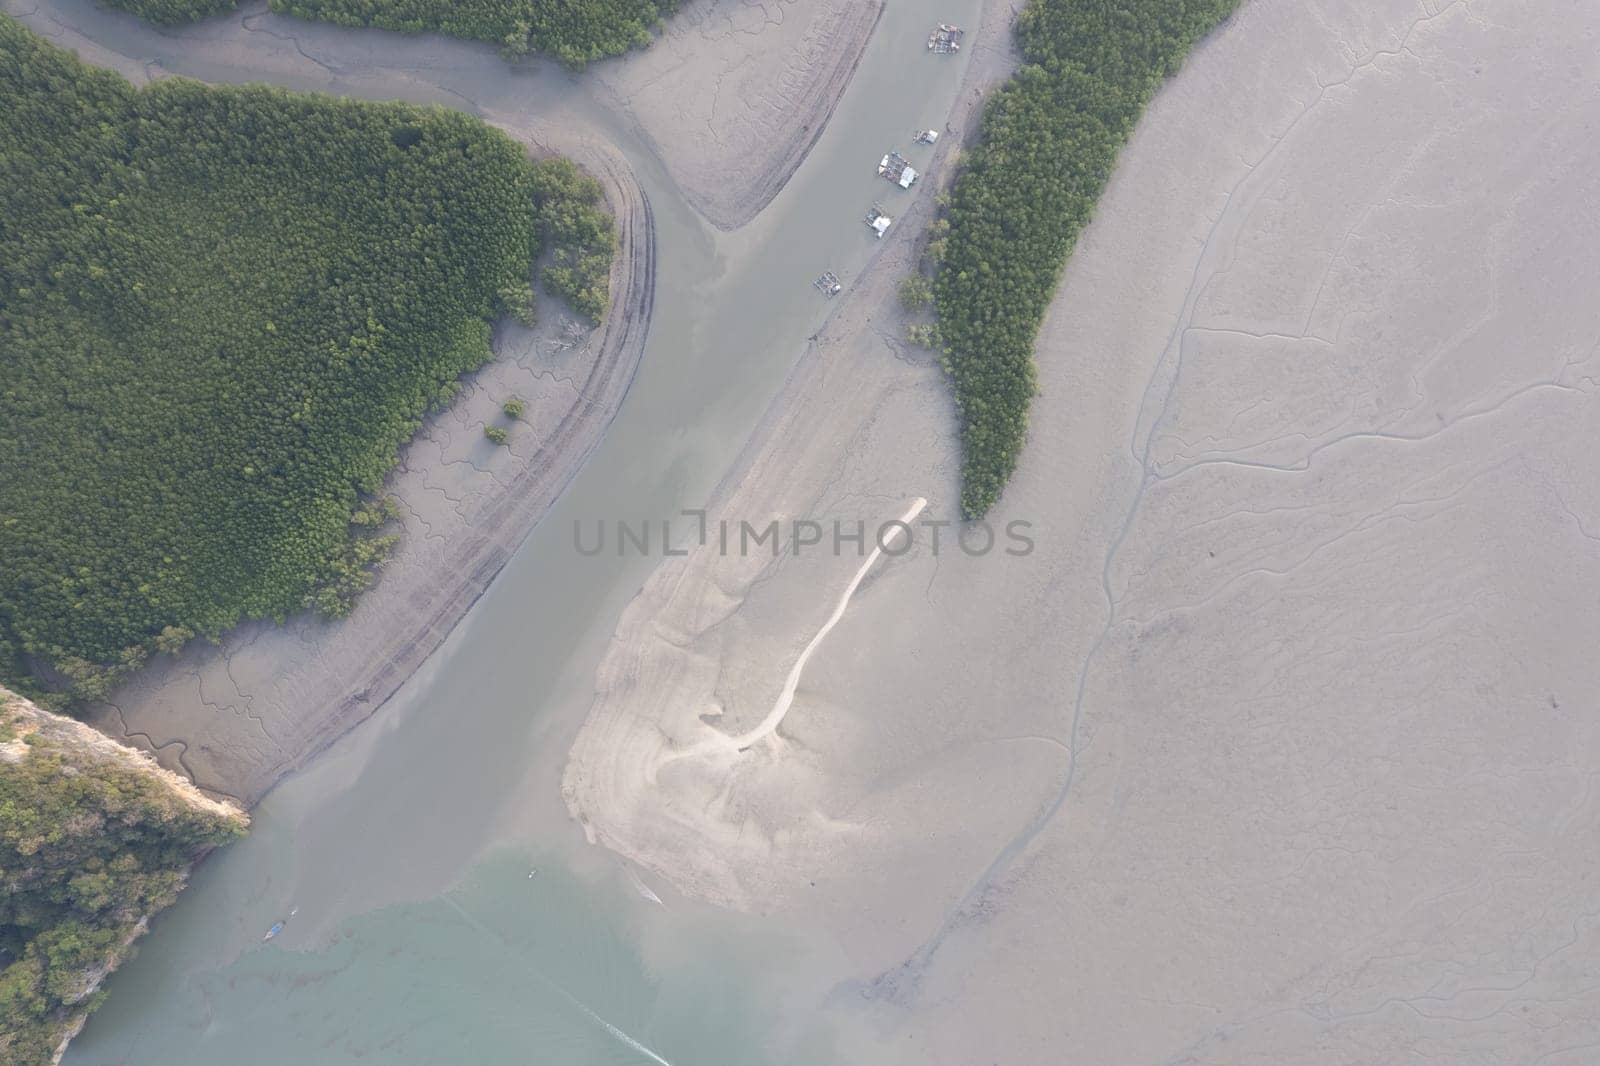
(501, 969)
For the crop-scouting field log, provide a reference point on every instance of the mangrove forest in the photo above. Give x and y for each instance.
(1049, 139)
(222, 311)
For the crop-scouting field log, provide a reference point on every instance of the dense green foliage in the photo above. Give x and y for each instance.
(169, 12)
(1050, 137)
(580, 233)
(222, 310)
(915, 292)
(89, 846)
(577, 31)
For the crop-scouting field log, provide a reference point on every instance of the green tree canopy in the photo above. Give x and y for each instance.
(222, 310)
(92, 840)
(576, 31)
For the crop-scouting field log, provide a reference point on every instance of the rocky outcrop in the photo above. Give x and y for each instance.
(94, 838)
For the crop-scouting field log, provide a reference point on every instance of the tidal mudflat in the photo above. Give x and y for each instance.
(1280, 745)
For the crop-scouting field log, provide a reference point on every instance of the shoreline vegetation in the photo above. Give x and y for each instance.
(223, 311)
(94, 839)
(576, 33)
(1048, 143)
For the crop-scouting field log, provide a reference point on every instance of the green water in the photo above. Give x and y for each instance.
(502, 969)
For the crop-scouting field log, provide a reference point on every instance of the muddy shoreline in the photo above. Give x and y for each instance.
(326, 678)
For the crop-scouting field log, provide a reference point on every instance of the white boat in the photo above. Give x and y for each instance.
(878, 221)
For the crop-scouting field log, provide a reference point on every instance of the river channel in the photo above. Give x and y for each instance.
(445, 907)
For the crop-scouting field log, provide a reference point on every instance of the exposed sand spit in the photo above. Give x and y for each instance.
(890, 537)
(698, 749)
(733, 94)
(704, 653)
(1281, 746)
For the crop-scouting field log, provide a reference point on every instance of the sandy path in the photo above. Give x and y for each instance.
(722, 743)
(769, 725)
(1281, 746)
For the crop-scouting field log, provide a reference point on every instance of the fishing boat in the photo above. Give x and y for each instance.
(277, 927)
(946, 40)
(877, 221)
(898, 169)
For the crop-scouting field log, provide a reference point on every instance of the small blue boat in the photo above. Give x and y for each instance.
(277, 927)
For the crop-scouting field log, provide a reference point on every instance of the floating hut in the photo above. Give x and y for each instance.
(828, 284)
(877, 221)
(927, 136)
(898, 169)
(945, 40)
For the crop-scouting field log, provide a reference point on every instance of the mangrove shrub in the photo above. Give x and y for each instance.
(576, 31)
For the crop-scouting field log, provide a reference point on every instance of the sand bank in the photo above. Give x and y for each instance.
(702, 655)
(733, 95)
(1280, 746)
